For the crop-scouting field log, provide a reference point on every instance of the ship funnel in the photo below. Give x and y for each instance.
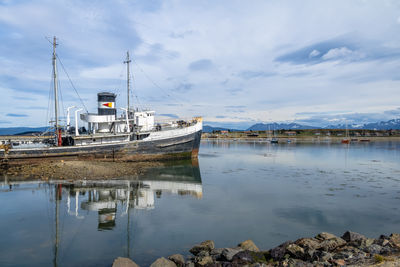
(106, 103)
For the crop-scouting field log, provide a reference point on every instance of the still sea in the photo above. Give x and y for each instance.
(236, 191)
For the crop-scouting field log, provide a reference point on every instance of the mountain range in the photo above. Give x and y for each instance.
(383, 125)
(278, 126)
(21, 130)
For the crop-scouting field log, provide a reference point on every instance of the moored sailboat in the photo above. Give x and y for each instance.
(346, 140)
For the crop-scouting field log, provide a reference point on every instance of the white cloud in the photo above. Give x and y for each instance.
(342, 53)
(314, 53)
(115, 71)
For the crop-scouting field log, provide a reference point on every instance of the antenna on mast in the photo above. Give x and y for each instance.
(58, 132)
(127, 61)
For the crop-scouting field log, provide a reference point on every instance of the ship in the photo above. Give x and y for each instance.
(133, 135)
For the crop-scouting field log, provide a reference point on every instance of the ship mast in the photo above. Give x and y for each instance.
(128, 79)
(58, 195)
(55, 87)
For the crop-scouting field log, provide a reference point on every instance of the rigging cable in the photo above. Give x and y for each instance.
(68, 246)
(62, 101)
(118, 88)
(76, 91)
(156, 85)
(48, 116)
(135, 95)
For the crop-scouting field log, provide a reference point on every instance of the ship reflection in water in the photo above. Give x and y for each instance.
(82, 215)
(105, 197)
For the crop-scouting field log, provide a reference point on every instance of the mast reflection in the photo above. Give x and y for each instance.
(106, 196)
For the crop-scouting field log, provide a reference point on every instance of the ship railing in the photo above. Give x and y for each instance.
(176, 120)
(170, 124)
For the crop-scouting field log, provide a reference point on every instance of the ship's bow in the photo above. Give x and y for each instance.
(197, 138)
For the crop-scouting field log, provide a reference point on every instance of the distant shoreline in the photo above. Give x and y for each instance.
(308, 135)
(305, 139)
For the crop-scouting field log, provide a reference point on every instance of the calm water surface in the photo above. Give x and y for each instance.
(239, 190)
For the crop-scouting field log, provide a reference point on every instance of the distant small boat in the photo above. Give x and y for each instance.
(289, 141)
(365, 140)
(274, 141)
(252, 135)
(346, 140)
(354, 140)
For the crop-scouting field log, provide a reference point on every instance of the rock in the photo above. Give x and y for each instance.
(216, 254)
(388, 250)
(203, 254)
(332, 244)
(308, 243)
(259, 265)
(223, 264)
(249, 245)
(353, 237)
(216, 251)
(329, 241)
(339, 262)
(395, 240)
(124, 262)
(247, 256)
(163, 262)
(322, 256)
(219, 264)
(366, 243)
(350, 254)
(204, 261)
(373, 249)
(325, 236)
(296, 263)
(228, 253)
(243, 257)
(309, 254)
(279, 252)
(295, 251)
(189, 264)
(178, 259)
(343, 255)
(203, 246)
(321, 264)
(325, 256)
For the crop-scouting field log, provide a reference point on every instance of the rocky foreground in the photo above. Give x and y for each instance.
(325, 249)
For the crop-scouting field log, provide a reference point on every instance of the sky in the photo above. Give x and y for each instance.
(236, 63)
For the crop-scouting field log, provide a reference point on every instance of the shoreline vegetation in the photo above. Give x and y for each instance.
(325, 249)
(299, 139)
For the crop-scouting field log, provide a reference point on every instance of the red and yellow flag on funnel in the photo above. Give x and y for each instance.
(109, 104)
